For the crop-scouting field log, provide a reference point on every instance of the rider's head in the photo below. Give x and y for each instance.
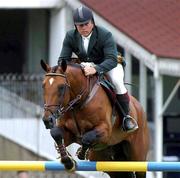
(83, 20)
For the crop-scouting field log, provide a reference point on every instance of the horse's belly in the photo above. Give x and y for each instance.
(117, 136)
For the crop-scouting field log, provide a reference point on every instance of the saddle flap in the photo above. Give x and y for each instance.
(109, 89)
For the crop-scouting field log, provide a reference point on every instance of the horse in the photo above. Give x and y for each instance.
(77, 109)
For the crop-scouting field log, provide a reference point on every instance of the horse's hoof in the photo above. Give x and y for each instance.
(69, 163)
(73, 167)
(81, 154)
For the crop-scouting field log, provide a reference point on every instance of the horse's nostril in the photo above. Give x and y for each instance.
(49, 122)
(52, 120)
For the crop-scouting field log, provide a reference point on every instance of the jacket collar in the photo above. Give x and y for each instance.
(79, 43)
(92, 41)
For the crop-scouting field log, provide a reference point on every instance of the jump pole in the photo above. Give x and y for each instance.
(90, 166)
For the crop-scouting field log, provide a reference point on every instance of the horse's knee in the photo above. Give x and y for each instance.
(90, 137)
(57, 134)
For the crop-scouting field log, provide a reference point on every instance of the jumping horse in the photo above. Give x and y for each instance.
(77, 109)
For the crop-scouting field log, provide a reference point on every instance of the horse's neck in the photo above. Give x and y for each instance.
(78, 82)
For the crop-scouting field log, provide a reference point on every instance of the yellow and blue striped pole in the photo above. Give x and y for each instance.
(91, 166)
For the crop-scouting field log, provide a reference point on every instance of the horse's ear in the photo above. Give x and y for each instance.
(63, 64)
(45, 66)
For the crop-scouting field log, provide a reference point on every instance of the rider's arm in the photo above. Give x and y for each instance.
(110, 54)
(66, 52)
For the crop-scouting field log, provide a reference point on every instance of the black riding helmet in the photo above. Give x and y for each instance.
(82, 15)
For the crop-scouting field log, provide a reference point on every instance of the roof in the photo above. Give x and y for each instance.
(154, 24)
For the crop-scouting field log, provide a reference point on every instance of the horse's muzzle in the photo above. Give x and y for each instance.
(49, 122)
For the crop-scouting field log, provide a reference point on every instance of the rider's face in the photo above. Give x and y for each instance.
(85, 29)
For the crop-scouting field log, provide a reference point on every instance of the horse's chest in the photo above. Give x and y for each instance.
(78, 125)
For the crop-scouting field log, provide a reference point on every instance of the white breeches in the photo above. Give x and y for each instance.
(116, 76)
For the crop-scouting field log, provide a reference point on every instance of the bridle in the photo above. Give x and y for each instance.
(60, 109)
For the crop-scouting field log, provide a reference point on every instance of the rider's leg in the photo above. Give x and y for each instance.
(117, 77)
(129, 124)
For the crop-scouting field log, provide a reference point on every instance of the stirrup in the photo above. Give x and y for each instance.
(129, 128)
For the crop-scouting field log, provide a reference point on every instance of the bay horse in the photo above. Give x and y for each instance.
(78, 110)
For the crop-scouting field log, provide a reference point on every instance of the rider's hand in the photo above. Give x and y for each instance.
(89, 70)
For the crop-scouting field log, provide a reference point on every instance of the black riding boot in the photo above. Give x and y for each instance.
(129, 124)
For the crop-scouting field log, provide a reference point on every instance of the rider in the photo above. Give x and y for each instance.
(96, 49)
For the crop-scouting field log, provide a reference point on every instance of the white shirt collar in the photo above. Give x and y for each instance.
(87, 37)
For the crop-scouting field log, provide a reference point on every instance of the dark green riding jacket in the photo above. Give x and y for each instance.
(102, 49)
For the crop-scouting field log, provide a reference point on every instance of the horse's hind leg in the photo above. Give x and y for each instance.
(66, 159)
(87, 140)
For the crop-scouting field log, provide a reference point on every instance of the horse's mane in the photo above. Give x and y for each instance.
(74, 62)
(76, 65)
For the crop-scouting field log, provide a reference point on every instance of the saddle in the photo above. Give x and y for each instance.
(109, 89)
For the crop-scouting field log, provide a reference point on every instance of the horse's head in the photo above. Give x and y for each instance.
(60, 90)
(55, 92)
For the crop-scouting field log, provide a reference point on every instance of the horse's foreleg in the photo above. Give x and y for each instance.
(87, 140)
(66, 159)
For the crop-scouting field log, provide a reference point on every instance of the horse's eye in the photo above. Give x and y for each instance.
(61, 88)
